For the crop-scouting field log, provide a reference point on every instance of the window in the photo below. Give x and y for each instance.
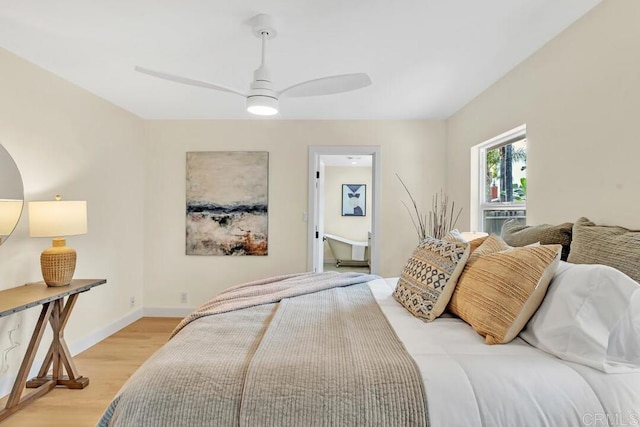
(502, 180)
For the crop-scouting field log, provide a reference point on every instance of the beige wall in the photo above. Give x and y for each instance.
(65, 140)
(580, 98)
(168, 271)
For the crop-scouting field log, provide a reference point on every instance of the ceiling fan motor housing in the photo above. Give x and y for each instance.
(261, 85)
(261, 95)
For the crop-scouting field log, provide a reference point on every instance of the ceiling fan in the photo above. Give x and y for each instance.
(262, 98)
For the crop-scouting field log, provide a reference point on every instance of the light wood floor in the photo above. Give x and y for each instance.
(107, 364)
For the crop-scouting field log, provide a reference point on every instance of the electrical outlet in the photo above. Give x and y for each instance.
(184, 297)
(132, 302)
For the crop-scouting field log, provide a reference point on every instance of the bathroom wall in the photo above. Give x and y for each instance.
(350, 227)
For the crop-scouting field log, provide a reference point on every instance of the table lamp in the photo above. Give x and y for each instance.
(57, 218)
(10, 210)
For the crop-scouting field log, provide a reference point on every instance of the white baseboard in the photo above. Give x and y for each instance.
(167, 311)
(82, 344)
(77, 346)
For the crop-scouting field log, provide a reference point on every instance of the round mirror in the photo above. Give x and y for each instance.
(11, 194)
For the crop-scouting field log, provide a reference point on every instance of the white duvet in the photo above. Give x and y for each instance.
(470, 383)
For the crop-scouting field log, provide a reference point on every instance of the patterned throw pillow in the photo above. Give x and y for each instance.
(502, 287)
(517, 235)
(429, 278)
(616, 247)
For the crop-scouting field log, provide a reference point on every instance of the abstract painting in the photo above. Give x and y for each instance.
(227, 203)
(354, 200)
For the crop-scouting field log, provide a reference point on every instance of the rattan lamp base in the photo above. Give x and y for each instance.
(58, 263)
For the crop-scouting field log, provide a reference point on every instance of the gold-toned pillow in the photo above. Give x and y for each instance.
(493, 243)
(616, 247)
(502, 287)
(476, 243)
(429, 277)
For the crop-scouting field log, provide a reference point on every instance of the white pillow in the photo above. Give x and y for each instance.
(591, 316)
(624, 339)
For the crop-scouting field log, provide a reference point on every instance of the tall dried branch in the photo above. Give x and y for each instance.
(439, 221)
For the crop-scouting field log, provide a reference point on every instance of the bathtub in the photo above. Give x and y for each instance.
(348, 252)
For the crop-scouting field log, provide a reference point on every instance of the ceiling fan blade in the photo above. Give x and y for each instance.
(328, 85)
(186, 81)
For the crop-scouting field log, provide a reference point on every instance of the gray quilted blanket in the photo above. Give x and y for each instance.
(320, 353)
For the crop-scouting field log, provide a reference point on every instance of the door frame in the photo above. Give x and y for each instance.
(315, 245)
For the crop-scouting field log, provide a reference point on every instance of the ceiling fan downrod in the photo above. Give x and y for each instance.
(263, 28)
(262, 99)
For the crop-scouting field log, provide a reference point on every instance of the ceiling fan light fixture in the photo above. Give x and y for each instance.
(262, 98)
(262, 105)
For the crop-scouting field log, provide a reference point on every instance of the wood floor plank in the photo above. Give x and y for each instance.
(108, 365)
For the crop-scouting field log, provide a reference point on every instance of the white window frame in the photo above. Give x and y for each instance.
(478, 174)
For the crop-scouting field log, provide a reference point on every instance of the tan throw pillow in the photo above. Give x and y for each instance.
(429, 278)
(476, 243)
(616, 247)
(517, 235)
(456, 236)
(501, 287)
(491, 244)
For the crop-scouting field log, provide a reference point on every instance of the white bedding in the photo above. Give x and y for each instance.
(470, 383)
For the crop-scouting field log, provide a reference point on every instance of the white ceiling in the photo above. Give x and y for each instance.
(349, 161)
(427, 58)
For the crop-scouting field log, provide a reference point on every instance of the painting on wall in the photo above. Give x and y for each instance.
(227, 203)
(354, 200)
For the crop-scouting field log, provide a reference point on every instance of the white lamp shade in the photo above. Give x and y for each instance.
(57, 218)
(10, 211)
(472, 235)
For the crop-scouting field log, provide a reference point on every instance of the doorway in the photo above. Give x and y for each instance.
(344, 206)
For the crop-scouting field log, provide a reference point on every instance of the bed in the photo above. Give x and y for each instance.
(461, 381)
(472, 384)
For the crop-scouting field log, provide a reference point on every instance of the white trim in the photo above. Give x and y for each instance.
(315, 151)
(477, 173)
(77, 346)
(513, 134)
(497, 206)
(167, 311)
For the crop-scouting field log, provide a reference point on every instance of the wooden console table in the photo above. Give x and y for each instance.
(55, 312)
